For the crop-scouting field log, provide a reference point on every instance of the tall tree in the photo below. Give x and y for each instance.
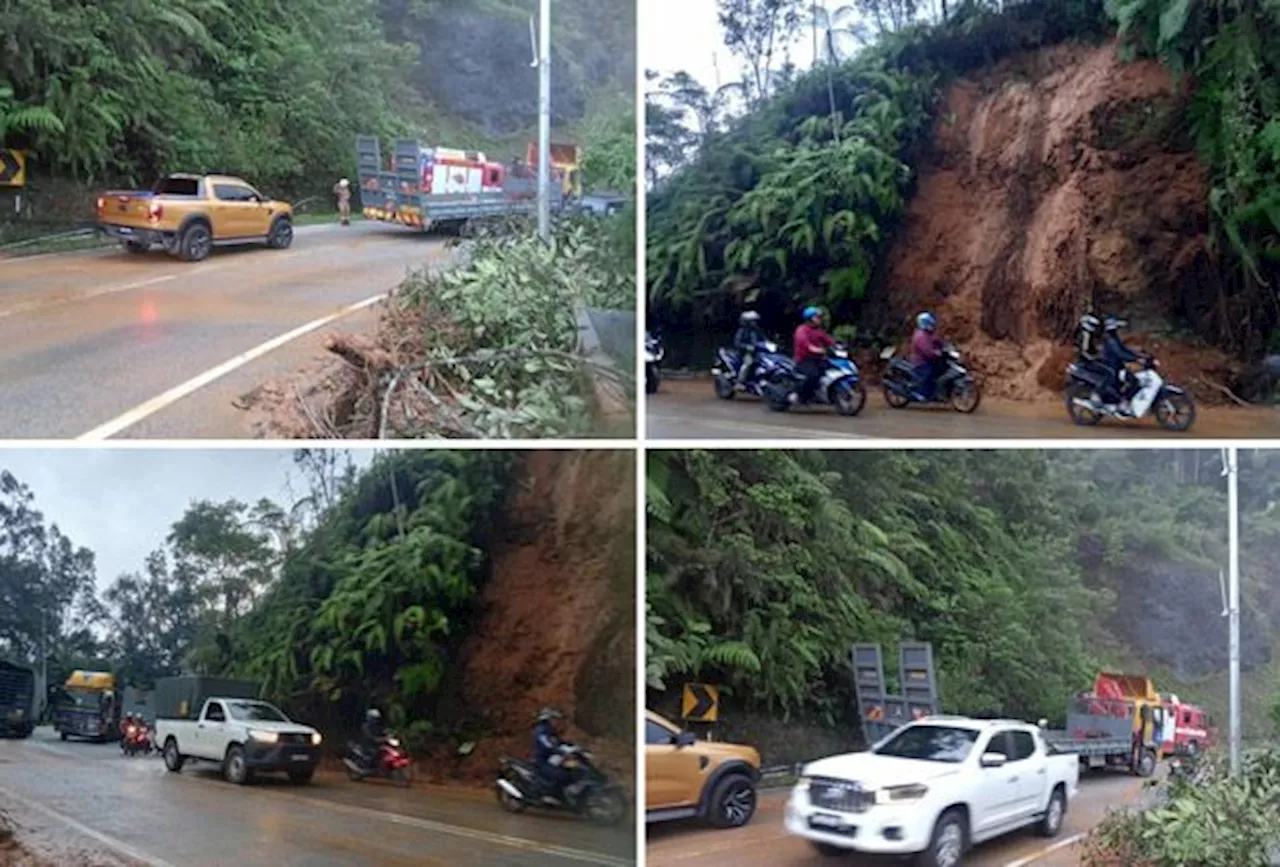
(759, 33)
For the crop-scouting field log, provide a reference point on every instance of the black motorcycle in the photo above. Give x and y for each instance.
(1092, 395)
(955, 385)
(839, 385)
(769, 363)
(593, 795)
(653, 353)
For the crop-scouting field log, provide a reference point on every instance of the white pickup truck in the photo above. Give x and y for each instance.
(932, 789)
(243, 735)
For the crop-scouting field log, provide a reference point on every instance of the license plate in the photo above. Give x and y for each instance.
(822, 820)
(302, 757)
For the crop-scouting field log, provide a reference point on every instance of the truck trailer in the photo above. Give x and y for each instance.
(17, 700)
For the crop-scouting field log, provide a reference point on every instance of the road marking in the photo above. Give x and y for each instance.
(94, 293)
(1036, 856)
(467, 833)
(112, 843)
(177, 393)
(773, 430)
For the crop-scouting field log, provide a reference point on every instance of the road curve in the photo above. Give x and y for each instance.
(87, 337)
(689, 409)
(765, 843)
(76, 795)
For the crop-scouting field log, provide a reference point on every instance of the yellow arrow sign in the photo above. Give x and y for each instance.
(701, 703)
(13, 168)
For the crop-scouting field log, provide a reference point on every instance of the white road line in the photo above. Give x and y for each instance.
(93, 293)
(112, 843)
(177, 393)
(1036, 856)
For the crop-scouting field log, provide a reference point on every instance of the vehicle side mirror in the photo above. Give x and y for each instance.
(685, 739)
(994, 760)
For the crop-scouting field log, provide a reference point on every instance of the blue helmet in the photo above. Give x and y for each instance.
(810, 312)
(926, 321)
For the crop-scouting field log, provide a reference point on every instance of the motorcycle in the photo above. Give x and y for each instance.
(839, 386)
(1087, 381)
(392, 762)
(136, 739)
(653, 353)
(769, 362)
(955, 385)
(519, 787)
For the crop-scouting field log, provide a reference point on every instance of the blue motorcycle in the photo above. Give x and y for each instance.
(955, 385)
(839, 386)
(769, 362)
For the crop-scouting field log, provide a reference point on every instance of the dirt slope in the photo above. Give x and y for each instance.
(557, 619)
(1056, 179)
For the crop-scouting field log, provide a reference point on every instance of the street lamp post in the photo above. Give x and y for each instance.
(544, 119)
(1232, 470)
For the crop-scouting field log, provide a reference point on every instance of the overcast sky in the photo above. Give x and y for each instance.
(685, 35)
(120, 503)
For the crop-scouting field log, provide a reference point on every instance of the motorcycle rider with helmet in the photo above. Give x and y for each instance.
(745, 340)
(925, 355)
(548, 756)
(372, 733)
(1115, 355)
(809, 351)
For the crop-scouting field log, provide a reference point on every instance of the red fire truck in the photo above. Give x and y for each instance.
(1190, 729)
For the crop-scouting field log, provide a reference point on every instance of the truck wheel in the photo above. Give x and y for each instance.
(196, 242)
(172, 758)
(301, 778)
(63, 735)
(1051, 824)
(281, 234)
(234, 766)
(1146, 763)
(946, 847)
(733, 803)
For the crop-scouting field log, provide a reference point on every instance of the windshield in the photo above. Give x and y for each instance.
(81, 697)
(255, 711)
(177, 187)
(930, 744)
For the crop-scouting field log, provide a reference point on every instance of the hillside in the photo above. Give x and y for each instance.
(1013, 165)
(115, 93)
(1028, 571)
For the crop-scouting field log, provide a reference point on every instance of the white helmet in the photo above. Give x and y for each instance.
(749, 316)
(344, 182)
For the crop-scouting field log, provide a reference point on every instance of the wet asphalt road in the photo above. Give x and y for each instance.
(689, 409)
(86, 337)
(765, 843)
(134, 808)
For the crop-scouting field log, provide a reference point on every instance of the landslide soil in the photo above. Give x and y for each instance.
(557, 620)
(1057, 181)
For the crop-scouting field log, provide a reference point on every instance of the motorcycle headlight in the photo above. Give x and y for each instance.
(901, 794)
(263, 737)
(395, 742)
(315, 739)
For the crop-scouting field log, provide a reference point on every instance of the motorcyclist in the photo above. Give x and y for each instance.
(924, 354)
(1115, 355)
(809, 351)
(372, 733)
(549, 752)
(1087, 341)
(745, 340)
(128, 726)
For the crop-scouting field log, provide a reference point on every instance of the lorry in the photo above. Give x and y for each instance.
(426, 188)
(566, 160)
(1188, 730)
(17, 700)
(188, 214)
(220, 720)
(1120, 724)
(88, 707)
(932, 789)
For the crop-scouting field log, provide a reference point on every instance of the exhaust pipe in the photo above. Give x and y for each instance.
(511, 790)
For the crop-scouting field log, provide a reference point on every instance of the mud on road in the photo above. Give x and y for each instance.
(689, 409)
(87, 801)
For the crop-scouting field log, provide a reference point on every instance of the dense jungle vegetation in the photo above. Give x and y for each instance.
(1027, 570)
(795, 196)
(120, 91)
(359, 591)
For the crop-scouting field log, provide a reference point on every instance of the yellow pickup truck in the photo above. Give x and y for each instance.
(188, 214)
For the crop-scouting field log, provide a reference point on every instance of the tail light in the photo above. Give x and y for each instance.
(102, 205)
(155, 211)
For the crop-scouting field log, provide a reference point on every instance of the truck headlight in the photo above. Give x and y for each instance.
(802, 784)
(901, 794)
(264, 737)
(315, 739)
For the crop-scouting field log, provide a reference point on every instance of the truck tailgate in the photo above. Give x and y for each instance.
(127, 208)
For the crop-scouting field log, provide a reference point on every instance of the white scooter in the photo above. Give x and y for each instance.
(1174, 408)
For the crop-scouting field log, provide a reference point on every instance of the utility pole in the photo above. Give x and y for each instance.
(1232, 470)
(44, 656)
(544, 119)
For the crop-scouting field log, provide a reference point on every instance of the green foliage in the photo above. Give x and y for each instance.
(1215, 821)
(608, 140)
(503, 328)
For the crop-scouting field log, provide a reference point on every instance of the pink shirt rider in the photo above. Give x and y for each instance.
(925, 346)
